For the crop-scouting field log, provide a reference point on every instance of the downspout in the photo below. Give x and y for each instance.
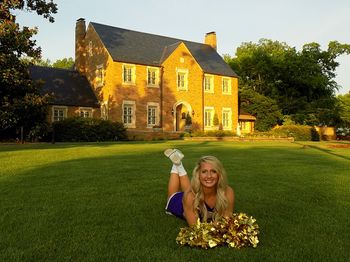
(202, 88)
(161, 97)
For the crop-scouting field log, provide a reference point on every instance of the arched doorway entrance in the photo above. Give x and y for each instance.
(181, 109)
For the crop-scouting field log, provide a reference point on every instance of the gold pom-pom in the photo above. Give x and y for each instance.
(237, 231)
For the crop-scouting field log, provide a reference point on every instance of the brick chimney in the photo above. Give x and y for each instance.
(80, 52)
(210, 39)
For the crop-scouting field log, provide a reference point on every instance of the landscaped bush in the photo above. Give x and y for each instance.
(299, 132)
(213, 133)
(87, 129)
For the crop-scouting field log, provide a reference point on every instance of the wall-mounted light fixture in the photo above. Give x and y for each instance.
(172, 111)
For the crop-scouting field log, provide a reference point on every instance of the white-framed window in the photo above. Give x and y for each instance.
(226, 85)
(59, 113)
(99, 76)
(85, 112)
(129, 74)
(153, 76)
(90, 49)
(104, 110)
(208, 117)
(152, 114)
(226, 118)
(209, 83)
(129, 116)
(182, 79)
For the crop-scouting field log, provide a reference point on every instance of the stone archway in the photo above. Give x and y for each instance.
(180, 109)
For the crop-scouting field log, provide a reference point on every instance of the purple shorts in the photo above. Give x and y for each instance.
(174, 205)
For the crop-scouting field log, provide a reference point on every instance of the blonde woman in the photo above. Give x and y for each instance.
(207, 196)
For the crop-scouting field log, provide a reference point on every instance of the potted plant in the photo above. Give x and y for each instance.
(188, 122)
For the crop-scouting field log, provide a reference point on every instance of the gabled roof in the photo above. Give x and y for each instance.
(142, 48)
(68, 87)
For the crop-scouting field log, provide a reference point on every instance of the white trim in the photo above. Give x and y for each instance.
(63, 108)
(90, 49)
(99, 76)
(104, 110)
(156, 105)
(132, 67)
(156, 70)
(211, 83)
(133, 116)
(229, 92)
(229, 111)
(211, 126)
(86, 109)
(185, 80)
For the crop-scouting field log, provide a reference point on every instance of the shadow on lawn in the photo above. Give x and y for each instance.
(112, 207)
(324, 150)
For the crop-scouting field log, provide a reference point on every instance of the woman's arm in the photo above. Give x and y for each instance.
(189, 213)
(231, 199)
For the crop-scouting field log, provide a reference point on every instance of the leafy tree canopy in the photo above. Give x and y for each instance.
(21, 104)
(263, 108)
(301, 82)
(344, 108)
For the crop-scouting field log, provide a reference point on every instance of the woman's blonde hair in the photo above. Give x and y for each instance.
(221, 199)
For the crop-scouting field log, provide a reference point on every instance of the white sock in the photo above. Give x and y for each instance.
(181, 170)
(174, 169)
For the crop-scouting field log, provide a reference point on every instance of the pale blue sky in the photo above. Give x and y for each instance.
(295, 22)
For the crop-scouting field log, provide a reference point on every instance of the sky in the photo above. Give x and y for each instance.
(295, 22)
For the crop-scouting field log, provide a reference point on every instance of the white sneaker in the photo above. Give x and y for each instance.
(175, 155)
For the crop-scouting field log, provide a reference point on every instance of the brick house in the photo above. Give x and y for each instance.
(71, 93)
(146, 81)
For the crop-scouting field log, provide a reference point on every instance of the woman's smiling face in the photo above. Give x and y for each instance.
(208, 176)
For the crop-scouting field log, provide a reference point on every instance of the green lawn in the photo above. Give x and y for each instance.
(105, 201)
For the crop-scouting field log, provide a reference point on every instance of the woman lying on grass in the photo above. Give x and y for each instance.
(207, 196)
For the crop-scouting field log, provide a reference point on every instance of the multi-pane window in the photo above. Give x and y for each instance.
(209, 83)
(152, 114)
(104, 111)
(208, 117)
(129, 113)
(226, 86)
(90, 49)
(226, 118)
(151, 120)
(181, 80)
(152, 76)
(129, 74)
(59, 113)
(86, 112)
(99, 75)
(182, 75)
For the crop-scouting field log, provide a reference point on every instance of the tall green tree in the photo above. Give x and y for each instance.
(344, 109)
(21, 104)
(263, 108)
(65, 63)
(301, 82)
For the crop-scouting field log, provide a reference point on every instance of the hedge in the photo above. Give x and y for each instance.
(299, 132)
(80, 129)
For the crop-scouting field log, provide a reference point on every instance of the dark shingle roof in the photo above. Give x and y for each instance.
(68, 87)
(148, 49)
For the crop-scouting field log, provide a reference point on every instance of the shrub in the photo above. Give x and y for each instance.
(299, 132)
(87, 129)
(213, 133)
